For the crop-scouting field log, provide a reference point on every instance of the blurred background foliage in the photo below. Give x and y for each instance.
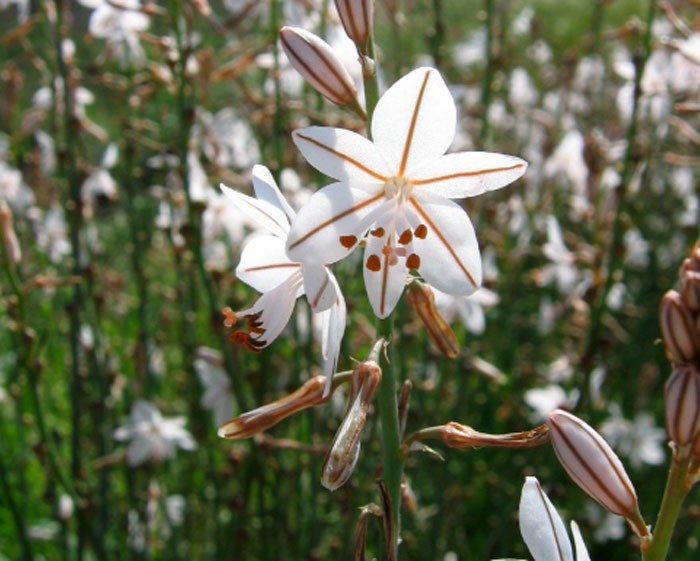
(117, 291)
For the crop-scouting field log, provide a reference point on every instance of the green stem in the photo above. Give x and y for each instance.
(487, 86)
(674, 494)
(17, 517)
(391, 436)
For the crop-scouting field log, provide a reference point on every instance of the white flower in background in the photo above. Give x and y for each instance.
(545, 400)
(266, 266)
(226, 139)
(119, 23)
(567, 165)
(398, 187)
(151, 436)
(469, 309)
(640, 440)
(23, 7)
(52, 234)
(100, 183)
(543, 530)
(562, 269)
(217, 397)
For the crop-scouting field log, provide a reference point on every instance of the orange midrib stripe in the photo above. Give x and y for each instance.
(275, 266)
(412, 129)
(439, 234)
(330, 221)
(348, 159)
(464, 174)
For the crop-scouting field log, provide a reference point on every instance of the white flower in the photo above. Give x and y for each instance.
(398, 188)
(562, 267)
(217, 397)
(640, 440)
(469, 309)
(542, 528)
(266, 267)
(152, 436)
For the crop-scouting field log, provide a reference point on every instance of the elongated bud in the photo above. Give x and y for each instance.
(13, 251)
(594, 466)
(315, 60)
(690, 286)
(464, 437)
(357, 17)
(678, 329)
(683, 409)
(265, 417)
(421, 298)
(342, 456)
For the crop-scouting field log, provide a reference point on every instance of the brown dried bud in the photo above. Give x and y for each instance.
(683, 409)
(265, 417)
(678, 329)
(463, 437)
(357, 18)
(316, 61)
(592, 464)
(421, 298)
(342, 456)
(13, 251)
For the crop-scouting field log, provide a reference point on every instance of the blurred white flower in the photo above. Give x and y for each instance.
(545, 400)
(469, 309)
(151, 436)
(100, 184)
(23, 7)
(640, 440)
(226, 139)
(562, 267)
(217, 397)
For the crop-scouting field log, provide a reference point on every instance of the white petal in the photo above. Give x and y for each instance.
(266, 189)
(467, 174)
(334, 212)
(384, 286)
(138, 452)
(579, 544)
(261, 213)
(318, 286)
(333, 330)
(264, 263)
(342, 154)
(449, 254)
(541, 526)
(414, 121)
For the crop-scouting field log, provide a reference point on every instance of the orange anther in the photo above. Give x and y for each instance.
(230, 318)
(374, 264)
(348, 242)
(413, 261)
(406, 237)
(378, 232)
(421, 231)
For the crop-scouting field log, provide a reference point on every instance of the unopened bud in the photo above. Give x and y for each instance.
(464, 437)
(678, 329)
(593, 465)
(265, 417)
(690, 286)
(316, 61)
(357, 17)
(344, 452)
(13, 251)
(421, 298)
(695, 257)
(683, 409)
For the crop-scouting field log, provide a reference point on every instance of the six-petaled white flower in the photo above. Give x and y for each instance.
(398, 188)
(266, 267)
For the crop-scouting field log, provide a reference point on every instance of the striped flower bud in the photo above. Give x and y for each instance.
(683, 409)
(342, 456)
(13, 251)
(357, 18)
(592, 464)
(421, 298)
(678, 329)
(265, 417)
(315, 60)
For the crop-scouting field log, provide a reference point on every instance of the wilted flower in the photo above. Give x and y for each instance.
(152, 436)
(398, 187)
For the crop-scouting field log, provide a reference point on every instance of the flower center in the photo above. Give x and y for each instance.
(398, 187)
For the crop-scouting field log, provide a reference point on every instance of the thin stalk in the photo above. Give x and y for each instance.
(674, 495)
(487, 86)
(18, 519)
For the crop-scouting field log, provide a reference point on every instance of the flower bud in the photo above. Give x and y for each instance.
(690, 286)
(357, 18)
(315, 60)
(421, 298)
(683, 409)
(342, 456)
(592, 464)
(678, 329)
(13, 251)
(265, 417)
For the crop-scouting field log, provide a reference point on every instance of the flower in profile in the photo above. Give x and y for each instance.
(152, 436)
(542, 528)
(266, 267)
(398, 188)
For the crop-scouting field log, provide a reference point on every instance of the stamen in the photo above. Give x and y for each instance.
(230, 318)
(413, 261)
(348, 242)
(245, 340)
(374, 264)
(406, 237)
(378, 232)
(421, 231)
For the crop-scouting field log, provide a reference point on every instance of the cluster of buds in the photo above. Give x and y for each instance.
(318, 63)
(680, 331)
